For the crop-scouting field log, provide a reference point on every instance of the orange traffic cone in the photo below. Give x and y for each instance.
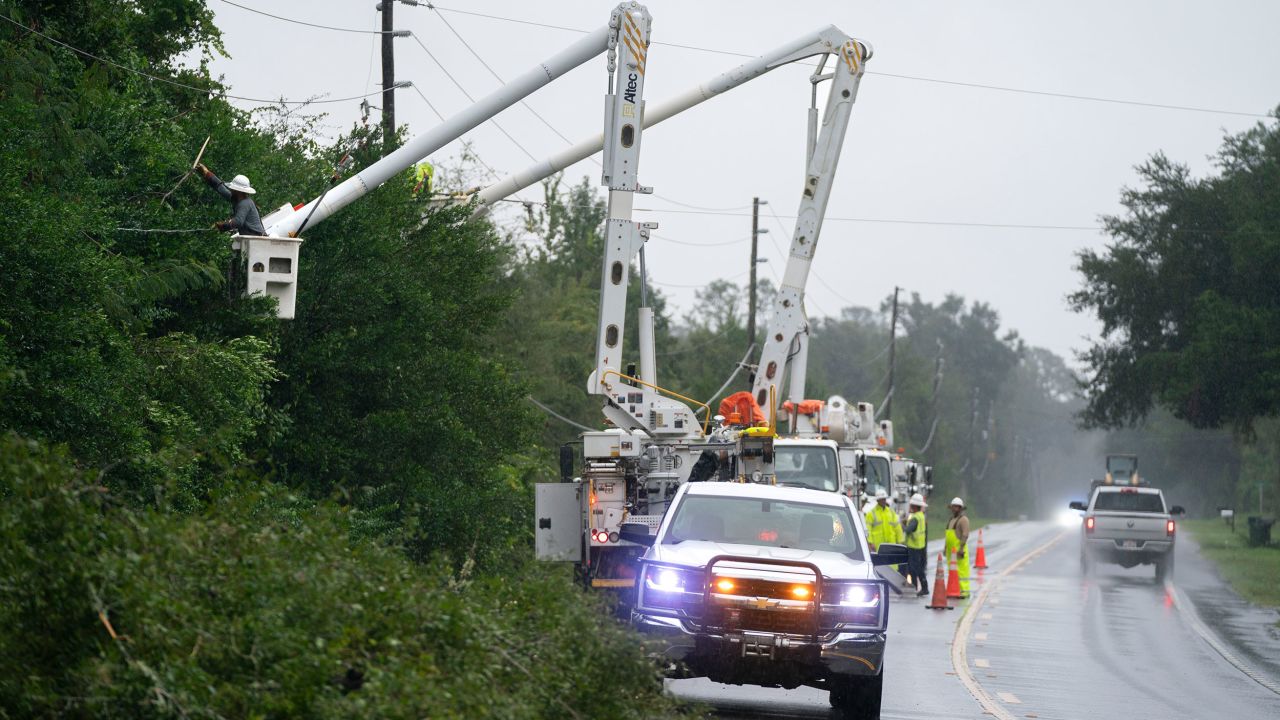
(953, 580)
(939, 601)
(980, 560)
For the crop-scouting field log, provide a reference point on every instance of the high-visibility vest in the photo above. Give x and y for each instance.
(916, 538)
(423, 173)
(883, 526)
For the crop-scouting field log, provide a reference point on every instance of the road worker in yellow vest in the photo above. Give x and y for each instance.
(958, 541)
(883, 525)
(917, 537)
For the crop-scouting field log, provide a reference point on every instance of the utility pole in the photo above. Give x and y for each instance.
(973, 421)
(388, 77)
(756, 230)
(893, 341)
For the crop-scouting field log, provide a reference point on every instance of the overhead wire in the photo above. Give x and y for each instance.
(167, 81)
(812, 270)
(901, 76)
(309, 24)
(553, 413)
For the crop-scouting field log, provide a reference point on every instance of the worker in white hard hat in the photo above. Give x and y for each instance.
(882, 523)
(957, 542)
(917, 537)
(244, 219)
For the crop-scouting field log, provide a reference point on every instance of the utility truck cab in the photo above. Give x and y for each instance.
(808, 463)
(766, 585)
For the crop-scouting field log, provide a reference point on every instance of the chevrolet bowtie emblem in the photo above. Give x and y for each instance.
(763, 603)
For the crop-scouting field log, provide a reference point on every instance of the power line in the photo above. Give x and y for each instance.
(896, 221)
(695, 244)
(812, 271)
(548, 410)
(311, 24)
(466, 94)
(205, 90)
(900, 76)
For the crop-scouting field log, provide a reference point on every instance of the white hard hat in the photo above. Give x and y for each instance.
(957, 501)
(881, 494)
(918, 499)
(240, 183)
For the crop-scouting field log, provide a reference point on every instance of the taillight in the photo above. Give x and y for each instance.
(1088, 524)
(1169, 528)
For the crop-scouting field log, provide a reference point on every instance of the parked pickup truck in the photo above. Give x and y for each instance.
(1128, 526)
(766, 585)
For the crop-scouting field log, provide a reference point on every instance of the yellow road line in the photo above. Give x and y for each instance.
(959, 649)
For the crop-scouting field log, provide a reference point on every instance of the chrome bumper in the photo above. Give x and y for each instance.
(837, 654)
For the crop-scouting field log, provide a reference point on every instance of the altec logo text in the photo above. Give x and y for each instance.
(630, 94)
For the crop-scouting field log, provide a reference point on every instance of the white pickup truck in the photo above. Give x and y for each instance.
(1128, 526)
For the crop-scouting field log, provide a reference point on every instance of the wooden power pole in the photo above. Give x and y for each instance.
(751, 304)
(893, 342)
(388, 76)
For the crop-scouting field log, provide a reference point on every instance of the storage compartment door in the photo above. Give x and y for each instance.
(558, 522)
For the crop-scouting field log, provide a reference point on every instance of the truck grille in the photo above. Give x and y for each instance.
(770, 621)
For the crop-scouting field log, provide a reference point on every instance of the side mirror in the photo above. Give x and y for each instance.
(889, 554)
(1177, 510)
(1077, 505)
(862, 466)
(637, 533)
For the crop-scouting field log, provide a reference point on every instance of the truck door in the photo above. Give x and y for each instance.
(558, 522)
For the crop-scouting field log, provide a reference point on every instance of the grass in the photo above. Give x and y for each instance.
(1251, 571)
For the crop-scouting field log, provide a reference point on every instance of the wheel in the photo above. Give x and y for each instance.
(858, 697)
(1164, 568)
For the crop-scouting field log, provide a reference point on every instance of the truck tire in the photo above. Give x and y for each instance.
(857, 697)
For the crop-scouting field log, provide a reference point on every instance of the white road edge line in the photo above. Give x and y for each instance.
(959, 650)
(1188, 610)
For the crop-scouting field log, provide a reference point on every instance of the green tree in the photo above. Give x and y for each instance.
(1186, 292)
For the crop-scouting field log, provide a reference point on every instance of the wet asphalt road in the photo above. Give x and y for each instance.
(1050, 643)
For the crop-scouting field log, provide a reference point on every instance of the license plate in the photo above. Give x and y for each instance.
(1130, 544)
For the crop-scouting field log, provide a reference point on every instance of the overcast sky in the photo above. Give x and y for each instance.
(916, 151)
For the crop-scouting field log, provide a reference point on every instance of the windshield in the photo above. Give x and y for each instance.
(811, 467)
(768, 523)
(877, 472)
(1129, 502)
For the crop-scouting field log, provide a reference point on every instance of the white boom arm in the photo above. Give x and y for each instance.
(828, 40)
(631, 403)
(789, 323)
(360, 184)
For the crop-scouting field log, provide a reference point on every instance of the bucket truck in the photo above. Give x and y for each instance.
(632, 470)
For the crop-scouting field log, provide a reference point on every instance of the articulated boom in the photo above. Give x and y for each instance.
(630, 403)
(787, 338)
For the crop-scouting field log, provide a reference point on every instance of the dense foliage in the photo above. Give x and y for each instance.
(1186, 292)
(260, 606)
(208, 512)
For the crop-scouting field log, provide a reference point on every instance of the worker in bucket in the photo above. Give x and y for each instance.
(244, 219)
(917, 537)
(882, 522)
(957, 541)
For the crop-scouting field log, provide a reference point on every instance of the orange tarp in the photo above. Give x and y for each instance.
(744, 406)
(806, 407)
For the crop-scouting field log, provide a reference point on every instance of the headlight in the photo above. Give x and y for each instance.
(855, 606)
(858, 596)
(670, 587)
